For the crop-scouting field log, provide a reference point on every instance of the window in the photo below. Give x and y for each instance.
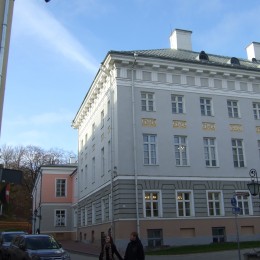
(190, 80)
(180, 150)
(218, 83)
(256, 110)
(147, 75)
(60, 218)
(204, 82)
(110, 207)
(162, 77)
(243, 202)
(103, 209)
(238, 153)
(218, 234)
(176, 79)
(210, 151)
(93, 213)
(61, 187)
(206, 106)
(149, 143)
(75, 217)
(215, 205)
(184, 204)
(177, 104)
(82, 217)
(109, 155)
(258, 143)
(232, 106)
(86, 141)
(102, 115)
(155, 237)
(86, 176)
(102, 161)
(231, 85)
(93, 169)
(93, 130)
(151, 204)
(108, 109)
(147, 101)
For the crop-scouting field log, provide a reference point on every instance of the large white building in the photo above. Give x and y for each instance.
(166, 139)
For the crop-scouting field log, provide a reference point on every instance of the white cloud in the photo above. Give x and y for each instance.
(33, 19)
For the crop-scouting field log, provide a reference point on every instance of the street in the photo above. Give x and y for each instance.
(230, 255)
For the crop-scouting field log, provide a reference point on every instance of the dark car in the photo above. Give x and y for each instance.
(6, 238)
(36, 247)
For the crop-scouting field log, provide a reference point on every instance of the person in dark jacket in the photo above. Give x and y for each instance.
(134, 250)
(108, 250)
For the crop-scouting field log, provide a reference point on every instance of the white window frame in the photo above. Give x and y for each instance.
(184, 202)
(102, 161)
(242, 200)
(214, 201)
(233, 108)
(210, 151)
(93, 169)
(181, 149)
(152, 201)
(206, 108)
(178, 101)
(256, 110)
(58, 189)
(236, 153)
(150, 154)
(147, 101)
(57, 222)
(82, 217)
(93, 208)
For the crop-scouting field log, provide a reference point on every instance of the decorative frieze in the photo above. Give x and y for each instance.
(236, 127)
(208, 126)
(149, 122)
(179, 124)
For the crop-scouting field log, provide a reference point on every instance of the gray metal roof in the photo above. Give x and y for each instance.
(191, 56)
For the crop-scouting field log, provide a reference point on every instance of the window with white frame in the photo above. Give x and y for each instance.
(86, 176)
(93, 213)
(86, 141)
(93, 130)
(215, 203)
(150, 149)
(103, 209)
(82, 217)
(152, 204)
(232, 106)
(108, 109)
(238, 153)
(177, 104)
(244, 203)
(184, 203)
(102, 115)
(108, 156)
(206, 106)
(93, 169)
(210, 151)
(86, 215)
(60, 218)
(256, 110)
(180, 150)
(110, 207)
(147, 101)
(61, 187)
(102, 161)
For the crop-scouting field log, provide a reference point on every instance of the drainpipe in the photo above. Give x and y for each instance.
(134, 143)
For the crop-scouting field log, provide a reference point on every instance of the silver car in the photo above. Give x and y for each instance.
(36, 247)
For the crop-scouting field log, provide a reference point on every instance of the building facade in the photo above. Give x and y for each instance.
(166, 139)
(55, 201)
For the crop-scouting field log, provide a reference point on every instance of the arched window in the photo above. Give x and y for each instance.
(234, 61)
(203, 56)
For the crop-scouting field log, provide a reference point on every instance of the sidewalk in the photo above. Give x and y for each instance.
(94, 250)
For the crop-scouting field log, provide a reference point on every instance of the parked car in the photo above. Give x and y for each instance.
(6, 238)
(36, 247)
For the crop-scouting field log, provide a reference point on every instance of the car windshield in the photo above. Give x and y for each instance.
(9, 237)
(35, 243)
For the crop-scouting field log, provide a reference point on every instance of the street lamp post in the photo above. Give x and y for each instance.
(253, 186)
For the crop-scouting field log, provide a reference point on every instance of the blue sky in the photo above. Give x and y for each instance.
(57, 47)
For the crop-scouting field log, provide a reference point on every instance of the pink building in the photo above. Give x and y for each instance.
(54, 201)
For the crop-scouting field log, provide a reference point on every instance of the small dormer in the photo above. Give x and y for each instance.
(234, 61)
(203, 56)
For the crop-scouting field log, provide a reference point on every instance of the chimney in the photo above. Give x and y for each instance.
(181, 40)
(253, 51)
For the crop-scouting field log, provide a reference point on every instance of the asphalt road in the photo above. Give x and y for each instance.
(224, 255)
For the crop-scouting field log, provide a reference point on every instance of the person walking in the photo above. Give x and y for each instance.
(108, 250)
(134, 250)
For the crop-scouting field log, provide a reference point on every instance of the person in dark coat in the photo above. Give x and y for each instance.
(108, 250)
(134, 250)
